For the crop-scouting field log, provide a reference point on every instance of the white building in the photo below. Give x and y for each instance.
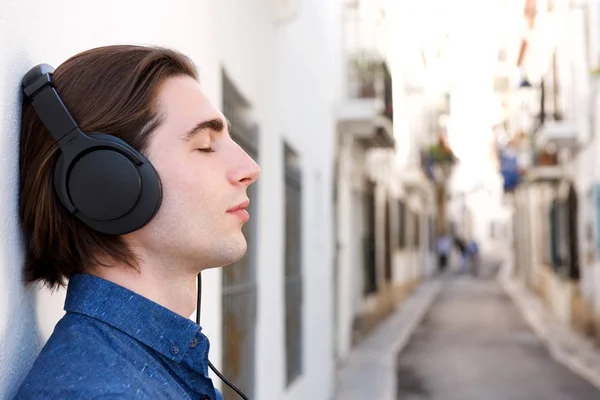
(279, 62)
(556, 208)
(384, 204)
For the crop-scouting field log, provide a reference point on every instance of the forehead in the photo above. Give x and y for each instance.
(183, 104)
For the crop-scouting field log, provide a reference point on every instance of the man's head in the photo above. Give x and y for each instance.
(150, 98)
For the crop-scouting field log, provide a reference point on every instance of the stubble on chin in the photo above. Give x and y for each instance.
(230, 251)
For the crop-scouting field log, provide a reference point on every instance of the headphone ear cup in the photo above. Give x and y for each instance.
(106, 189)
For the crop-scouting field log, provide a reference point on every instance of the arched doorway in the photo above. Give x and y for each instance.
(388, 242)
(572, 232)
(370, 276)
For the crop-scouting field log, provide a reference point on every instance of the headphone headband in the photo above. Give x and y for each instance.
(39, 86)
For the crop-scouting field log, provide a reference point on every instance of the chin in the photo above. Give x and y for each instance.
(231, 252)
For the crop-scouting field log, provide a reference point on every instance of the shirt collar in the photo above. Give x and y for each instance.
(157, 327)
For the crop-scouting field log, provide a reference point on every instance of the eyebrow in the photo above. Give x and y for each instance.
(215, 125)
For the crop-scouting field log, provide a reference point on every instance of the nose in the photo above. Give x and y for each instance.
(247, 171)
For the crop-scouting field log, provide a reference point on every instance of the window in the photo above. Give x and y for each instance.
(501, 55)
(388, 241)
(572, 237)
(401, 225)
(417, 231)
(239, 279)
(544, 217)
(554, 235)
(412, 221)
(293, 265)
(597, 217)
(431, 233)
(369, 244)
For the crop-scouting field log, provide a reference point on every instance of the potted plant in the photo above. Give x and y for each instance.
(441, 153)
(367, 70)
(595, 73)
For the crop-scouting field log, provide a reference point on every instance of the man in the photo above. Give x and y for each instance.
(473, 250)
(126, 332)
(444, 245)
(463, 251)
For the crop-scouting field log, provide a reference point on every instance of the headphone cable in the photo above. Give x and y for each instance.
(212, 367)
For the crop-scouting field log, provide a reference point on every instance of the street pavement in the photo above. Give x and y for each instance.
(473, 344)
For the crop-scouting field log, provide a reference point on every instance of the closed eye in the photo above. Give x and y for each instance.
(207, 150)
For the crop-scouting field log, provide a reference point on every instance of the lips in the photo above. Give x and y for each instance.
(242, 206)
(240, 211)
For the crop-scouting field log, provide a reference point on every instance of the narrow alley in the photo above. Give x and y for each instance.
(473, 343)
(460, 337)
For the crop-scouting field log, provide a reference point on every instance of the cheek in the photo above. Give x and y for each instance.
(191, 194)
(192, 184)
(174, 174)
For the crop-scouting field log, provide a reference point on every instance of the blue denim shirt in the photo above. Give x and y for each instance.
(115, 344)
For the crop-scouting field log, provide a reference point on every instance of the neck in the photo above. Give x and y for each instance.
(159, 282)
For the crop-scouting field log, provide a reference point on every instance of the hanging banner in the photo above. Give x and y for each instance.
(509, 169)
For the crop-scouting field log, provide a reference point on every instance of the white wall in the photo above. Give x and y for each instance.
(592, 279)
(584, 90)
(346, 281)
(352, 227)
(31, 33)
(288, 73)
(308, 58)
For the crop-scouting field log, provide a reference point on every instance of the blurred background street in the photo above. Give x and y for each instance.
(474, 344)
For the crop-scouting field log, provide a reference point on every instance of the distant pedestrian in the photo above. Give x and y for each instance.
(473, 250)
(444, 245)
(464, 254)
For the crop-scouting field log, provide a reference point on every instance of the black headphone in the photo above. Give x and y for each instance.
(100, 179)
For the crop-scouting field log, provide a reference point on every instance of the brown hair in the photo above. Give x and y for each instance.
(110, 89)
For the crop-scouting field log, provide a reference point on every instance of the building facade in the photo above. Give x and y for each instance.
(385, 204)
(556, 204)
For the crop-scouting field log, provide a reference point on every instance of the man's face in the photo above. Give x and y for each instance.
(205, 176)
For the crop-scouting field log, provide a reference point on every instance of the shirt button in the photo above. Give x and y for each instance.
(194, 343)
(205, 397)
(174, 350)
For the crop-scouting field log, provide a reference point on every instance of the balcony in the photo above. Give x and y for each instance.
(367, 127)
(365, 74)
(367, 112)
(546, 167)
(562, 134)
(520, 161)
